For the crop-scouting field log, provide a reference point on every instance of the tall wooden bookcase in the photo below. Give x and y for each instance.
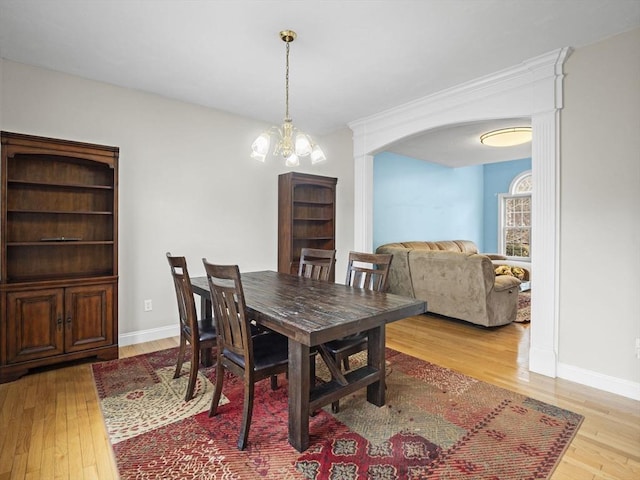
(306, 216)
(58, 252)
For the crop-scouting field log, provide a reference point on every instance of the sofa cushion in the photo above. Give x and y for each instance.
(464, 246)
(421, 245)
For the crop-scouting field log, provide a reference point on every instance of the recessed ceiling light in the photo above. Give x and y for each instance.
(506, 137)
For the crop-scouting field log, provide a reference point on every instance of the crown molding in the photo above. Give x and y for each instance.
(499, 95)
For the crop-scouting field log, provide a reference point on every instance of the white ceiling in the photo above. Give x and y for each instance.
(352, 58)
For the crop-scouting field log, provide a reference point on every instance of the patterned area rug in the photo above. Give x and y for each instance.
(436, 424)
(524, 307)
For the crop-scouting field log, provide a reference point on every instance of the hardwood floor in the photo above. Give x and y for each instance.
(51, 425)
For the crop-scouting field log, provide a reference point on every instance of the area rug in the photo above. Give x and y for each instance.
(524, 307)
(436, 424)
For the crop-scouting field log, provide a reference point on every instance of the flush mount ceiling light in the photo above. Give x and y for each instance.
(506, 137)
(291, 143)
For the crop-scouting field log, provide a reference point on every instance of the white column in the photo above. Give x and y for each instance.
(363, 203)
(543, 351)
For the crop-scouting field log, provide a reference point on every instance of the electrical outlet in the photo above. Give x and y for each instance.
(638, 348)
(148, 305)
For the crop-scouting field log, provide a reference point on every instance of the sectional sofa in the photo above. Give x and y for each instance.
(454, 279)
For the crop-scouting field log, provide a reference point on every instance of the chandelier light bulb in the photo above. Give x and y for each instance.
(303, 145)
(292, 160)
(258, 156)
(317, 155)
(261, 144)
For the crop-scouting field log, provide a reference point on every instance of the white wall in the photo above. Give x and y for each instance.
(187, 184)
(600, 211)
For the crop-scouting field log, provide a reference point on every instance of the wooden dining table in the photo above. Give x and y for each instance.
(310, 313)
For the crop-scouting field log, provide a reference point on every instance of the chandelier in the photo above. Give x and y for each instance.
(291, 143)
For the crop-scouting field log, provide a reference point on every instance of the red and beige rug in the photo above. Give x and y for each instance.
(524, 307)
(436, 424)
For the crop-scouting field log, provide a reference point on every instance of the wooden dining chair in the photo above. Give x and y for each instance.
(252, 358)
(316, 263)
(201, 334)
(369, 271)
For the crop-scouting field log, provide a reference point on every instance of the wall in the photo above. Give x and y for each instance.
(187, 184)
(497, 179)
(599, 222)
(417, 200)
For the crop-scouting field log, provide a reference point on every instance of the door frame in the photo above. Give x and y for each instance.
(531, 89)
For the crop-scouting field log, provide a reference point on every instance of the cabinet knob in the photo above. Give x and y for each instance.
(69, 321)
(59, 322)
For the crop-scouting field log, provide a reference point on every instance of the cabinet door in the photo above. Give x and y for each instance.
(88, 317)
(34, 324)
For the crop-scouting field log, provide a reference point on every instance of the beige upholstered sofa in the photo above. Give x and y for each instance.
(454, 279)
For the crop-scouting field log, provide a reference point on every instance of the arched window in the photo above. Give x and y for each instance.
(514, 236)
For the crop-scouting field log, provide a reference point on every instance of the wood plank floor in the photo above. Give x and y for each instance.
(51, 425)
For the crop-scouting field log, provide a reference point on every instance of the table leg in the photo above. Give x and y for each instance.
(376, 359)
(299, 369)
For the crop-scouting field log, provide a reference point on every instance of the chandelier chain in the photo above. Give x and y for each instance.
(286, 89)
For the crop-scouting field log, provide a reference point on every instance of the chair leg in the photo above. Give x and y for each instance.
(274, 382)
(217, 392)
(193, 373)
(345, 363)
(312, 372)
(312, 380)
(183, 343)
(335, 406)
(247, 411)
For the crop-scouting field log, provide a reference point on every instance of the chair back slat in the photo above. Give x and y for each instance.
(232, 323)
(184, 295)
(368, 270)
(316, 263)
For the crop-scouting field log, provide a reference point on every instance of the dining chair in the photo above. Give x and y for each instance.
(201, 334)
(369, 271)
(316, 263)
(252, 358)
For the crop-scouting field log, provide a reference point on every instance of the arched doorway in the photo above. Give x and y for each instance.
(532, 89)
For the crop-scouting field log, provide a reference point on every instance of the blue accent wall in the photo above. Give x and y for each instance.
(497, 179)
(418, 200)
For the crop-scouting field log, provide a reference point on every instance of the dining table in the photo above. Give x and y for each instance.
(311, 313)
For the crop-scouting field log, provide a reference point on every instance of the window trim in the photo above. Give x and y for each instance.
(513, 186)
(502, 200)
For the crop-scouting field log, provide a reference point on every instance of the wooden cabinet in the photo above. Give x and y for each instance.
(306, 216)
(59, 245)
(49, 322)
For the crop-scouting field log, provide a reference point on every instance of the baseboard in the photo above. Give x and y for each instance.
(618, 386)
(542, 361)
(150, 335)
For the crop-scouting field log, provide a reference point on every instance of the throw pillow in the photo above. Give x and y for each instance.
(504, 270)
(511, 271)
